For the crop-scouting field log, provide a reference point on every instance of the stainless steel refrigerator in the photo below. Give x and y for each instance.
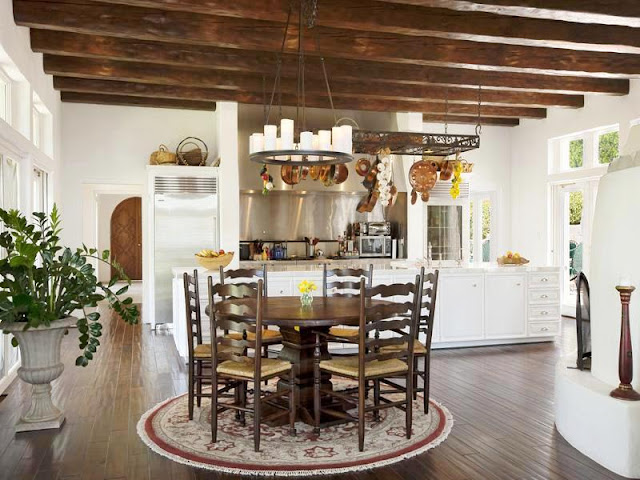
(185, 222)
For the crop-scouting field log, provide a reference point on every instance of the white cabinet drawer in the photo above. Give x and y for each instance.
(279, 288)
(543, 279)
(547, 295)
(539, 329)
(544, 312)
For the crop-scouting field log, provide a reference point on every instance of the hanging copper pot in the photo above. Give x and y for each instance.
(341, 175)
(446, 170)
(363, 165)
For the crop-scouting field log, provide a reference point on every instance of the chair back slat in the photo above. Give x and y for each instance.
(235, 290)
(386, 355)
(385, 324)
(249, 276)
(192, 311)
(337, 279)
(376, 343)
(232, 325)
(395, 289)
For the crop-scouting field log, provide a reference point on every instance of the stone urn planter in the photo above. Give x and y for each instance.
(40, 365)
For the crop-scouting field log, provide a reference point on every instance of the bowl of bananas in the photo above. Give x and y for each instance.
(213, 259)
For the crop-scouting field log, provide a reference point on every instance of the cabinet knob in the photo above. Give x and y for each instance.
(544, 279)
(544, 329)
(518, 284)
(474, 285)
(544, 312)
(544, 296)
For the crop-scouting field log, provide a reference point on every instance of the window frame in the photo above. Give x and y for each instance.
(475, 203)
(6, 83)
(559, 150)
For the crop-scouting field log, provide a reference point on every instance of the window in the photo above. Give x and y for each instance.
(5, 97)
(40, 191)
(576, 153)
(583, 151)
(35, 126)
(481, 226)
(41, 126)
(608, 146)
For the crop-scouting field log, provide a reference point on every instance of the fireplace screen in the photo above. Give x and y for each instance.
(583, 323)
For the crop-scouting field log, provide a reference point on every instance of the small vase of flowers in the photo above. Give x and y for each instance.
(306, 287)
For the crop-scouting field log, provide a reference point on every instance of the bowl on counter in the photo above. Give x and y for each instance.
(214, 263)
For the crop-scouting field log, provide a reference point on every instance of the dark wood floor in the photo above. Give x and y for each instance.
(501, 399)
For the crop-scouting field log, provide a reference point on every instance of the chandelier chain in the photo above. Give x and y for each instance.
(276, 81)
(446, 110)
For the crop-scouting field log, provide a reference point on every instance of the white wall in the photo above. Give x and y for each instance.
(111, 145)
(529, 172)
(107, 203)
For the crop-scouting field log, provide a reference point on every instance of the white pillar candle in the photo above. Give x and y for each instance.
(336, 139)
(306, 140)
(279, 147)
(347, 138)
(256, 142)
(324, 139)
(286, 133)
(315, 145)
(251, 144)
(270, 134)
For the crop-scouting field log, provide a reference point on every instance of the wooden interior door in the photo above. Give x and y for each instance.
(126, 237)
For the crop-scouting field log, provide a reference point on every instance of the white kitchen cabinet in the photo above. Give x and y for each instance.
(279, 287)
(505, 306)
(461, 300)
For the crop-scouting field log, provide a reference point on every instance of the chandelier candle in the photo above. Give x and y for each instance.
(270, 135)
(286, 134)
(324, 139)
(306, 140)
(337, 140)
(625, 360)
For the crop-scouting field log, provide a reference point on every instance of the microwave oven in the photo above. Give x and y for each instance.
(375, 245)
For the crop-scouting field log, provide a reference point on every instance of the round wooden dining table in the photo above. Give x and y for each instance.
(297, 325)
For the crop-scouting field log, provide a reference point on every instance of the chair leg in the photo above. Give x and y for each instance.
(199, 384)
(265, 354)
(191, 385)
(361, 393)
(376, 399)
(243, 402)
(214, 407)
(292, 404)
(257, 404)
(237, 399)
(409, 409)
(415, 378)
(427, 365)
(316, 388)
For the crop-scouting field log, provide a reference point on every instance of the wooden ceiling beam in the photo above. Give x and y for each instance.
(150, 24)
(130, 101)
(185, 76)
(421, 20)
(104, 47)
(177, 92)
(470, 120)
(609, 12)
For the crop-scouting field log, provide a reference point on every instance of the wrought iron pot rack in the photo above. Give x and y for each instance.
(413, 143)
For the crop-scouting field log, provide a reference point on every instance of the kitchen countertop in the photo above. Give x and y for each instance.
(316, 265)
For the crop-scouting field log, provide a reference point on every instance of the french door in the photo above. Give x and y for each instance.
(574, 205)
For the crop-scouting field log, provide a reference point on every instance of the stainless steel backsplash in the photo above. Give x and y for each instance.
(293, 215)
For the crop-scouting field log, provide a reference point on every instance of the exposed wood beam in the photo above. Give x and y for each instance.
(149, 24)
(73, 97)
(470, 119)
(175, 92)
(610, 12)
(185, 76)
(376, 16)
(73, 44)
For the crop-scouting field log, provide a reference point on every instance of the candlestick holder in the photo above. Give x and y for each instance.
(625, 360)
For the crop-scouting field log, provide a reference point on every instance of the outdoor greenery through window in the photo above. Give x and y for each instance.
(608, 147)
(575, 231)
(482, 247)
(576, 153)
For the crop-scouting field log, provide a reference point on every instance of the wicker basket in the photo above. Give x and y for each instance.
(162, 156)
(192, 151)
(214, 263)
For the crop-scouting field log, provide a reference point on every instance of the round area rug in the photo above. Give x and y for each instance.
(166, 429)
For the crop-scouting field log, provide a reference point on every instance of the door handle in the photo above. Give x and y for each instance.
(544, 296)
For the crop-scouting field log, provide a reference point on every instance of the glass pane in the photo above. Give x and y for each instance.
(608, 147)
(486, 230)
(36, 127)
(444, 232)
(372, 245)
(576, 153)
(9, 184)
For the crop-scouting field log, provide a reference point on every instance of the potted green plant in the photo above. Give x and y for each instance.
(42, 285)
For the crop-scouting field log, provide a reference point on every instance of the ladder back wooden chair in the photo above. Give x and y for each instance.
(422, 349)
(199, 353)
(372, 364)
(231, 363)
(345, 282)
(250, 277)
